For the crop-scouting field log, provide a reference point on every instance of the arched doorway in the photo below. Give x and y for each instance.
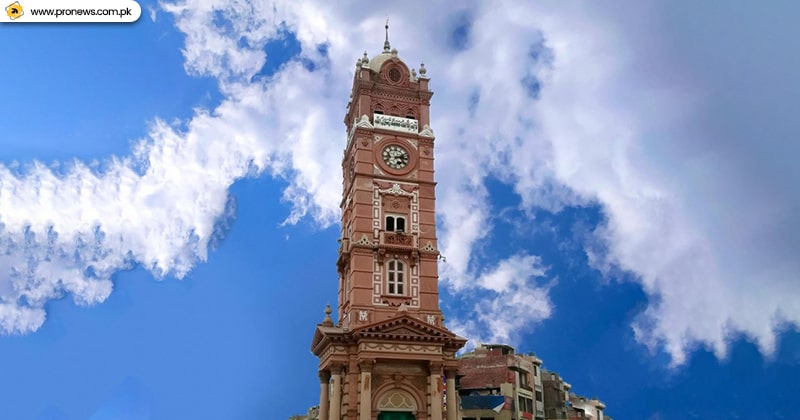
(397, 404)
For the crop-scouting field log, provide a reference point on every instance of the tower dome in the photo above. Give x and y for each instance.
(377, 61)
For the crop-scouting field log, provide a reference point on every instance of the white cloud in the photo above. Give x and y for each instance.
(699, 208)
(685, 212)
(507, 300)
(68, 232)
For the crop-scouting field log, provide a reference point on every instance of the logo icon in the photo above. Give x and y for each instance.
(14, 10)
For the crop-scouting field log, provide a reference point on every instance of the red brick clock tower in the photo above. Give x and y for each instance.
(387, 356)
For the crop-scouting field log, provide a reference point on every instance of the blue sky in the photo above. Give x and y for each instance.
(617, 193)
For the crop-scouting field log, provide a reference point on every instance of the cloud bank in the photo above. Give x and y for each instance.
(569, 105)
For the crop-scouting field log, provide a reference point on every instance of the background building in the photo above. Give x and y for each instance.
(496, 383)
(312, 414)
(499, 384)
(556, 395)
(586, 408)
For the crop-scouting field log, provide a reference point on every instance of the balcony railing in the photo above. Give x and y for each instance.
(399, 240)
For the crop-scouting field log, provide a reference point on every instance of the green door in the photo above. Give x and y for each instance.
(395, 415)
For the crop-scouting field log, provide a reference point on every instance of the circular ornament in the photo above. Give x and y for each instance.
(395, 75)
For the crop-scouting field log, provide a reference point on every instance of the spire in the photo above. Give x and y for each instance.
(386, 46)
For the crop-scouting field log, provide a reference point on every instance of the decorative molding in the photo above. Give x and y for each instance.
(398, 239)
(429, 247)
(426, 131)
(395, 301)
(400, 348)
(390, 122)
(397, 400)
(364, 122)
(401, 95)
(426, 141)
(333, 350)
(396, 190)
(392, 93)
(366, 365)
(351, 133)
(337, 368)
(364, 241)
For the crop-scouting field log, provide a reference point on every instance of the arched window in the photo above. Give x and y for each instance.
(395, 277)
(395, 223)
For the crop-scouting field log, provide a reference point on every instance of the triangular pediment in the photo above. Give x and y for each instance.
(324, 335)
(402, 331)
(405, 327)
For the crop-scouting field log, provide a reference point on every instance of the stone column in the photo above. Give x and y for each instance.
(324, 393)
(452, 394)
(365, 393)
(336, 397)
(436, 391)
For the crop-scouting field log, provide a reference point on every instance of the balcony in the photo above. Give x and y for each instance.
(399, 240)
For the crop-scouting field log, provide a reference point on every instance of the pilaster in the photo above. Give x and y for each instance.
(365, 393)
(336, 394)
(435, 391)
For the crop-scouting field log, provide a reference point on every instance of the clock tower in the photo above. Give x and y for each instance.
(388, 355)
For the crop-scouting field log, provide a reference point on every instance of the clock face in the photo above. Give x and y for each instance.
(395, 156)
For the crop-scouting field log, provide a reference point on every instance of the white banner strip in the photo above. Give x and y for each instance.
(71, 11)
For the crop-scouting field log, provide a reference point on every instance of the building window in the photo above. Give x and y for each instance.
(539, 396)
(525, 404)
(523, 380)
(395, 223)
(395, 277)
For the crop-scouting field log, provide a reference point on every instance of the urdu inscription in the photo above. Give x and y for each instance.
(390, 122)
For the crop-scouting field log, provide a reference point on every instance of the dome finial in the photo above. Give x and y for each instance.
(423, 72)
(386, 46)
(327, 321)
